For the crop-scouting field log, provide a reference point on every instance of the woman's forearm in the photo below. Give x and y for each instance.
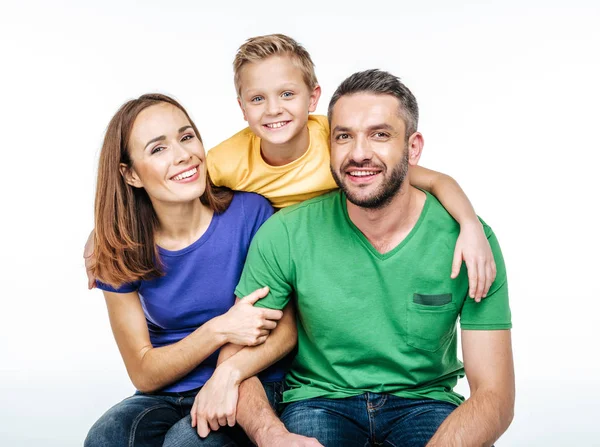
(159, 367)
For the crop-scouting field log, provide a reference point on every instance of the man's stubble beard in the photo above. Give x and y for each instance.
(386, 192)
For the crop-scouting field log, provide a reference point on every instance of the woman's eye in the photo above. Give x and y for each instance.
(157, 149)
(187, 137)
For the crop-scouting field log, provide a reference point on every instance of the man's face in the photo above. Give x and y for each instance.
(369, 153)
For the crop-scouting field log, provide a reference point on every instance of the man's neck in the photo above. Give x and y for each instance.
(386, 227)
(283, 154)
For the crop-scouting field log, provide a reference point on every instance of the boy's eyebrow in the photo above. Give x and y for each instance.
(162, 137)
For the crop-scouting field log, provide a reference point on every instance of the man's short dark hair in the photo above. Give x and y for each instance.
(383, 83)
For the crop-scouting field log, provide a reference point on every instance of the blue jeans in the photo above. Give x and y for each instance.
(153, 419)
(367, 420)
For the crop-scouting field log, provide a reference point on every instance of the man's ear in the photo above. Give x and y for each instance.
(415, 148)
(242, 108)
(314, 98)
(130, 176)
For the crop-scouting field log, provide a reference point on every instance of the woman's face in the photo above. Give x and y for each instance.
(168, 159)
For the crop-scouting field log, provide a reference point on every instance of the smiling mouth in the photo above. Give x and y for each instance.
(362, 174)
(187, 174)
(277, 125)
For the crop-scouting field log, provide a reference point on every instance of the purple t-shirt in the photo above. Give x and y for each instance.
(199, 283)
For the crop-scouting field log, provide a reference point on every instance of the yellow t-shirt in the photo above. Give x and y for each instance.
(238, 164)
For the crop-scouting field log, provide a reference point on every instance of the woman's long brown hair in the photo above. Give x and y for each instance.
(125, 221)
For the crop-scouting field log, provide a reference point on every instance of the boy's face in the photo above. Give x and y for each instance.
(275, 99)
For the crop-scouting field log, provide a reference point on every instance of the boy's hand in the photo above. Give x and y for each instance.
(88, 255)
(473, 247)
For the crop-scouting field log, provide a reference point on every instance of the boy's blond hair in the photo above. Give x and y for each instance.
(261, 47)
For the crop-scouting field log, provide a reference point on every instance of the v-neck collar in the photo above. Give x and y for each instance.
(367, 243)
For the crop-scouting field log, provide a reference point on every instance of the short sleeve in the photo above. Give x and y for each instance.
(124, 288)
(213, 170)
(257, 210)
(493, 312)
(268, 264)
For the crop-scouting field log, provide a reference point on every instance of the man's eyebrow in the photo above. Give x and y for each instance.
(340, 129)
(382, 126)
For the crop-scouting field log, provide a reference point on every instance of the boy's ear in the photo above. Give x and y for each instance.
(415, 148)
(314, 98)
(130, 176)
(242, 107)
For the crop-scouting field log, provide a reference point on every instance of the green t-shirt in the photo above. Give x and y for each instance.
(383, 323)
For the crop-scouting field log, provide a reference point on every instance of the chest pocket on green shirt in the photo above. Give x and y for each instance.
(431, 321)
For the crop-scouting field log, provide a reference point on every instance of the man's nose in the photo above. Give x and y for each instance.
(361, 149)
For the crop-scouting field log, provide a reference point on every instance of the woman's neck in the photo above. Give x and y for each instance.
(181, 224)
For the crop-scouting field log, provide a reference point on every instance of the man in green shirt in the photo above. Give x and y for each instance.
(377, 309)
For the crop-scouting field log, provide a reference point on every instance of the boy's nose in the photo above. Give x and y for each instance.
(274, 108)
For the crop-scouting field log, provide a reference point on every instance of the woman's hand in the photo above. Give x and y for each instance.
(216, 402)
(247, 325)
(473, 247)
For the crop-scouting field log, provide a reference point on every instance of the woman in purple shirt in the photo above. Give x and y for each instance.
(169, 250)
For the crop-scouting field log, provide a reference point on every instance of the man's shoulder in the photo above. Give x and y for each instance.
(316, 205)
(304, 216)
(442, 218)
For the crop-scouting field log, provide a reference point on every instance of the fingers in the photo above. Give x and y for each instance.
(213, 423)
(490, 277)
(472, 271)
(481, 280)
(193, 413)
(231, 418)
(456, 263)
(272, 314)
(269, 325)
(202, 428)
(256, 295)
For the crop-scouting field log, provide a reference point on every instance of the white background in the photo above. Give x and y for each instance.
(509, 95)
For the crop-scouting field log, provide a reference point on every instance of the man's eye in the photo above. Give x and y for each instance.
(381, 135)
(157, 149)
(257, 99)
(342, 136)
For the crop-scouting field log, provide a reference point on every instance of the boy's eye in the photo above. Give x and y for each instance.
(287, 94)
(157, 149)
(257, 99)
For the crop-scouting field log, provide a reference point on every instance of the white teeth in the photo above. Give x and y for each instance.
(185, 174)
(362, 173)
(276, 125)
